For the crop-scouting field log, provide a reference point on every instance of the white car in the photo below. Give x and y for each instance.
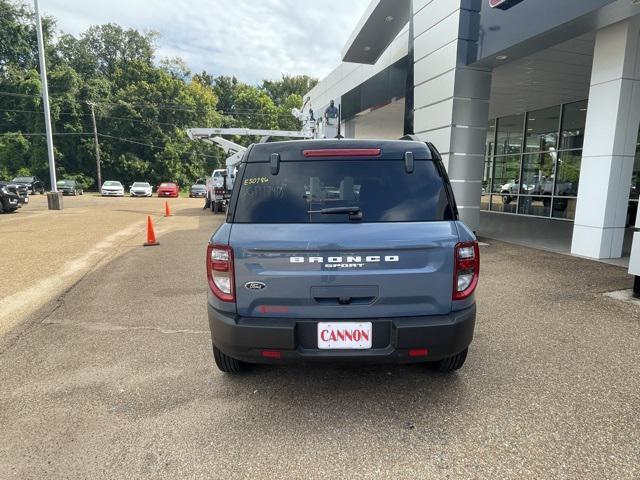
(141, 189)
(112, 188)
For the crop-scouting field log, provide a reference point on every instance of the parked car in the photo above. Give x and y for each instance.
(382, 271)
(33, 184)
(112, 188)
(70, 187)
(10, 199)
(198, 191)
(141, 189)
(168, 189)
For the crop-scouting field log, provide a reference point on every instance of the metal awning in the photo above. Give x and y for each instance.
(378, 27)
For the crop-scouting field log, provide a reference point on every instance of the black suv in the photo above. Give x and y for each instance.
(33, 184)
(10, 199)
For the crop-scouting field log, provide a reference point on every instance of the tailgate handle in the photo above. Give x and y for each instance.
(344, 300)
(345, 295)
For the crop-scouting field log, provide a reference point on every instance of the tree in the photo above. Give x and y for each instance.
(142, 109)
(18, 45)
(281, 90)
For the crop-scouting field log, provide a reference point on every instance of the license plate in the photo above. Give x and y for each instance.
(344, 335)
(26, 200)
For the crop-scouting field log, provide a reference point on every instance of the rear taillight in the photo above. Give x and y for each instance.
(467, 269)
(220, 272)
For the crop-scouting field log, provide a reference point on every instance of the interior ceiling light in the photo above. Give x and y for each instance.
(501, 57)
(367, 48)
(390, 18)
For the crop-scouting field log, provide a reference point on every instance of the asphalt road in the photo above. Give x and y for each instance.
(115, 379)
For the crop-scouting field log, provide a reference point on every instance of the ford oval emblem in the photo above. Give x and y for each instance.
(255, 286)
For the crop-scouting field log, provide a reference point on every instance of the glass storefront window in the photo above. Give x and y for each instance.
(568, 173)
(534, 168)
(486, 183)
(538, 206)
(574, 119)
(537, 174)
(542, 129)
(564, 208)
(506, 183)
(491, 138)
(509, 138)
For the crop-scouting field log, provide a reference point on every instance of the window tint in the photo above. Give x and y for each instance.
(383, 190)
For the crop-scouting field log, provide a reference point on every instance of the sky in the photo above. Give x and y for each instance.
(251, 39)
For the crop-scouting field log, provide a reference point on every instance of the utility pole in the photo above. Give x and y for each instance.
(45, 101)
(95, 139)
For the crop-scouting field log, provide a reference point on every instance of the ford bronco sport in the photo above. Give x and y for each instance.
(340, 251)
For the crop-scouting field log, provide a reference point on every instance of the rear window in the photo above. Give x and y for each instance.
(383, 191)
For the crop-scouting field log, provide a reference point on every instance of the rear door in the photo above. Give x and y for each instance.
(297, 254)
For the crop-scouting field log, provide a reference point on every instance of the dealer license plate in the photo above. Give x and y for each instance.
(344, 335)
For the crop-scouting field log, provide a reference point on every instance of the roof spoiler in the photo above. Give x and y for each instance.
(435, 154)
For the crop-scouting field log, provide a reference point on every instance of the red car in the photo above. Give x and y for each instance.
(168, 189)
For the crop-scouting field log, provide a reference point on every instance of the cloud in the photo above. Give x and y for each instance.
(251, 39)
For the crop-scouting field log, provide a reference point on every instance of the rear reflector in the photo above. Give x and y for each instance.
(271, 354)
(343, 152)
(418, 352)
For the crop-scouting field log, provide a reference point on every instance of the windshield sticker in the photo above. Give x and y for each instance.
(255, 181)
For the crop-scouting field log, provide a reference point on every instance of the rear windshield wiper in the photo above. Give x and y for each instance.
(337, 211)
(355, 213)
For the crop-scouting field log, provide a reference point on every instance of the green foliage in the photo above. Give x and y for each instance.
(142, 109)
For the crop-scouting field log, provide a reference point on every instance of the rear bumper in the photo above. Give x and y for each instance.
(246, 338)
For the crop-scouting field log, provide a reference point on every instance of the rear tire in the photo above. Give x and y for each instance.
(227, 364)
(450, 364)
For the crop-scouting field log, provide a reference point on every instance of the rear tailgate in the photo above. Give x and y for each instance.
(344, 271)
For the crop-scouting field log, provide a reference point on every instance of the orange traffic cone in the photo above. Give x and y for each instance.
(167, 210)
(151, 234)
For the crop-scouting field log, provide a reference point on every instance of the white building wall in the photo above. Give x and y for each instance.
(348, 76)
(610, 140)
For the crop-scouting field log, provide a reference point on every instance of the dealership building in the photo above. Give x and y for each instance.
(534, 105)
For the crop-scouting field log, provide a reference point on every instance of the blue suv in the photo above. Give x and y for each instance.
(342, 251)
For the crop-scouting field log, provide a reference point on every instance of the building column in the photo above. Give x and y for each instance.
(611, 133)
(451, 100)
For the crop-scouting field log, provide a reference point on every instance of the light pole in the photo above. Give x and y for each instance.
(53, 205)
(97, 145)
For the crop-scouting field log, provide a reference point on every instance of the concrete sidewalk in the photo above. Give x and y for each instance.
(116, 380)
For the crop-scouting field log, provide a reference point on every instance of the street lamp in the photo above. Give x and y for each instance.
(54, 198)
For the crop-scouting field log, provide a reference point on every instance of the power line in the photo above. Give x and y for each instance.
(6, 134)
(13, 94)
(128, 140)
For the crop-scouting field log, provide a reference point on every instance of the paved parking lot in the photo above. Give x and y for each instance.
(48, 251)
(115, 379)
